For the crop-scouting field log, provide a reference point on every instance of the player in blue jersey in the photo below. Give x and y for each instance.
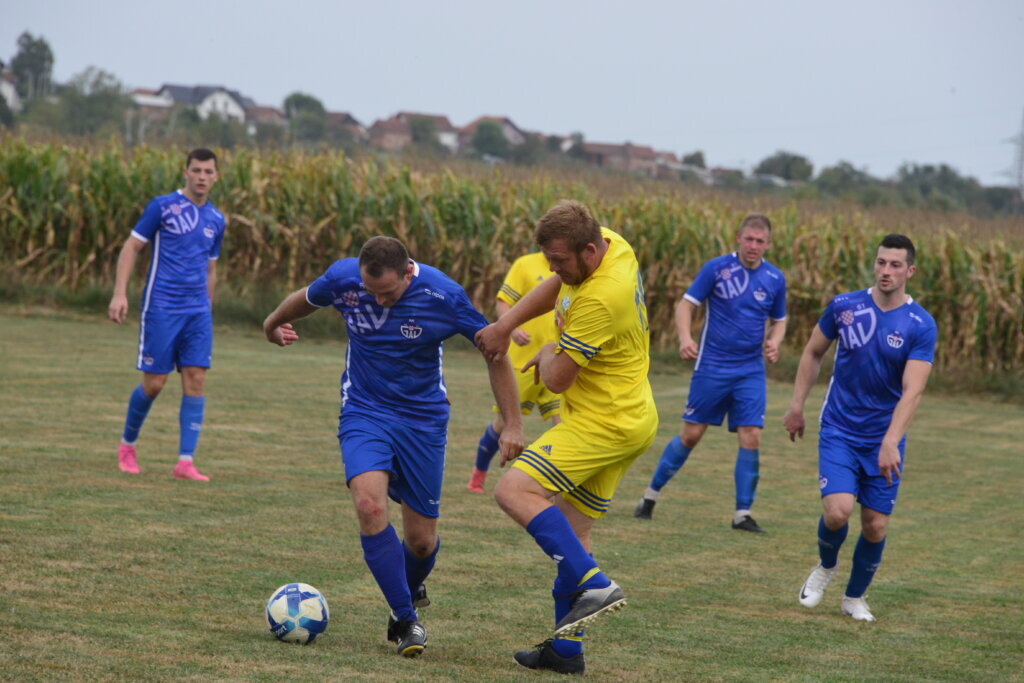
(394, 408)
(176, 327)
(885, 351)
(742, 291)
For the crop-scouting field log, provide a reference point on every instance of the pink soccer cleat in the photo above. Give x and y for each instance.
(126, 459)
(186, 470)
(476, 481)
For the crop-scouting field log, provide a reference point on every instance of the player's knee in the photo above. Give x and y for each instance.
(370, 511)
(421, 545)
(874, 528)
(750, 438)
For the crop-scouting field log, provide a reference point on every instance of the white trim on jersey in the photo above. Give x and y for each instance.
(440, 369)
(153, 266)
(703, 335)
(305, 294)
(348, 382)
(139, 237)
(824, 402)
(692, 300)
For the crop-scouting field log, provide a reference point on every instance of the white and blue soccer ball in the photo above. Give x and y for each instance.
(297, 613)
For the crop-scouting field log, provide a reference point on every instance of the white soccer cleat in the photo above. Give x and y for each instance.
(857, 608)
(814, 587)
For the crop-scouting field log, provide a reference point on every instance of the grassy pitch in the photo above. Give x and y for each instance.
(106, 575)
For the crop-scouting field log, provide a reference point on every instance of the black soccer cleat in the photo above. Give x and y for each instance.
(588, 605)
(411, 638)
(748, 524)
(543, 656)
(644, 509)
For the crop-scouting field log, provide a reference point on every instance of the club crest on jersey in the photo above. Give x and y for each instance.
(208, 231)
(565, 302)
(822, 482)
(148, 360)
(176, 209)
(895, 339)
(731, 283)
(411, 330)
(857, 327)
(350, 299)
(760, 294)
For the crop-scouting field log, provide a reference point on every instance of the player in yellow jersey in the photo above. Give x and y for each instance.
(566, 479)
(526, 273)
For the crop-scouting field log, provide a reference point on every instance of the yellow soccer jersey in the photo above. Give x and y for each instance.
(526, 273)
(604, 330)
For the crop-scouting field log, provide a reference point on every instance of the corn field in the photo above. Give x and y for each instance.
(65, 212)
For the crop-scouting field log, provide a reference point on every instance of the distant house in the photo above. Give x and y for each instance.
(342, 120)
(513, 133)
(447, 134)
(390, 135)
(262, 115)
(8, 91)
(628, 157)
(206, 100)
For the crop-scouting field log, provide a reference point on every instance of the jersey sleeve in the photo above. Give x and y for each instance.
(320, 292)
(827, 323)
(149, 223)
(778, 311)
(512, 288)
(468, 320)
(590, 326)
(702, 285)
(923, 347)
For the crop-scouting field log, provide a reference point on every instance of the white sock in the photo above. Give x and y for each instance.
(651, 494)
(740, 514)
(184, 458)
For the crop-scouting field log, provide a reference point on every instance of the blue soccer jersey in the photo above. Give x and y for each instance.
(873, 349)
(739, 300)
(393, 363)
(185, 238)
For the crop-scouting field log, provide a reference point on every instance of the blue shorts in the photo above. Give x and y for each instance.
(174, 340)
(414, 456)
(847, 464)
(742, 396)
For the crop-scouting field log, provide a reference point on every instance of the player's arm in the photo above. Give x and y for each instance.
(506, 395)
(806, 376)
(915, 377)
(520, 336)
(118, 308)
(684, 328)
(211, 278)
(493, 340)
(556, 370)
(278, 325)
(772, 344)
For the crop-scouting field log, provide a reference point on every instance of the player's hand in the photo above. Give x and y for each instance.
(283, 335)
(771, 351)
(520, 336)
(889, 462)
(511, 442)
(492, 342)
(687, 349)
(118, 308)
(533, 364)
(793, 421)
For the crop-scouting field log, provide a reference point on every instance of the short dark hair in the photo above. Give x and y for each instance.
(201, 154)
(570, 221)
(895, 241)
(751, 220)
(383, 253)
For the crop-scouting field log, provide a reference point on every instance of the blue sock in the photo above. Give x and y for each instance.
(190, 419)
(866, 558)
(555, 536)
(829, 543)
(486, 449)
(417, 569)
(746, 476)
(562, 592)
(383, 555)
(138, 409)
(672, 458)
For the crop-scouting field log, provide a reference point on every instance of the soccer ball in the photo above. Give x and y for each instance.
(297, 613)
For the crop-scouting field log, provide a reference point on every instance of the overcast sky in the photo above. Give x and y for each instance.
(876, 83)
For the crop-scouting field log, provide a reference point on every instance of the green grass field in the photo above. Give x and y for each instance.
(109, 576)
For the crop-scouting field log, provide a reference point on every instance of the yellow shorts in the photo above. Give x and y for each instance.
(584, 467)
(535, 396)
